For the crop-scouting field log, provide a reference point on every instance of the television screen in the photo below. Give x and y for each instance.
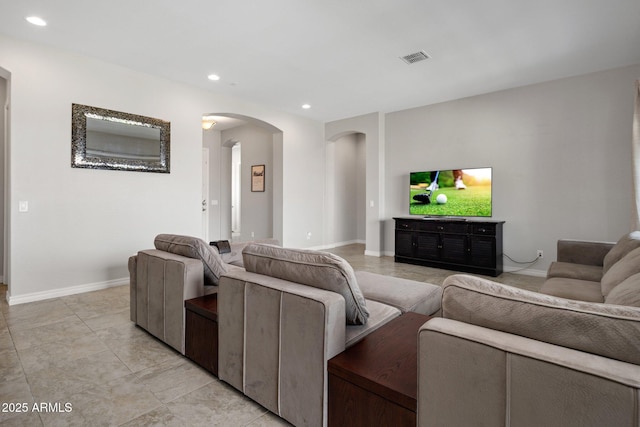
(452, 192)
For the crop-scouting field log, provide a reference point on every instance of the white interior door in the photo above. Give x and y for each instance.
(236, 188)
(205, 194)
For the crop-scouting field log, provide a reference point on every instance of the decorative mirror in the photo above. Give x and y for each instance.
(106, 139)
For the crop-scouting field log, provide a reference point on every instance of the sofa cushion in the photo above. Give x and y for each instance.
(626, 293)
(592, 273)
(406, 295)
(627, 266)
(608, 330)
(582, 290)
(379, 315)
(312, 268)
(194, 247)
(625, 245)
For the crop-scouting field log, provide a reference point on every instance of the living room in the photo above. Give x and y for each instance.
(531, 136)
(560, 149)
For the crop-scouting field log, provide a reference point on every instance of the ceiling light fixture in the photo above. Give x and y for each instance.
(36, 20)
(213, 77)
(306, 106)
(208, 122)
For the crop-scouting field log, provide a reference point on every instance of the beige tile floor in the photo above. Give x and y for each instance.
(82, 351)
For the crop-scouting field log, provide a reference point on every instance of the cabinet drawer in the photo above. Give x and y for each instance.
(484, 229)
(455, 227)
(441, 226)
(406, 225)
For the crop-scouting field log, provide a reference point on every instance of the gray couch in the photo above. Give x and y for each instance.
(505, 356)
(178, 269)
(594, 271)
(290, 311)
(281, 316)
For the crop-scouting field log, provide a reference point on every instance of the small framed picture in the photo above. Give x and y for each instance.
(257, 178)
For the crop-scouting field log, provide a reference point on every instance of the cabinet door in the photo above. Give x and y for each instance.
(428, 246)
(483, 251)
(404, 243)
(454, 248)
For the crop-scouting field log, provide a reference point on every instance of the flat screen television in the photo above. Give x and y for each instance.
(451, 193)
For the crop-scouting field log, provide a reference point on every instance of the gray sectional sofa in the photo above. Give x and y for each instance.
(494, 355)
(569, 356)
(597, 271)
(162, 279)
(282, 314)
(290, 311)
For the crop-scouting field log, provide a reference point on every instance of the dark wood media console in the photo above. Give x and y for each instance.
(471, 246)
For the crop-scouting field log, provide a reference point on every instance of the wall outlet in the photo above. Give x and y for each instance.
(540, 253)
(309, 236)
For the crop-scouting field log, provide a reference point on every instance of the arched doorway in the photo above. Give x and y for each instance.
(346, 189)
(256, 143)
(371, 127)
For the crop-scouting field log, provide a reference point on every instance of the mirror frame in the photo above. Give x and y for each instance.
(79, 158)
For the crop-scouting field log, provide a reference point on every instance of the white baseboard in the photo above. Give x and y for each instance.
(63, 292)
(525, 272)
(373, 253)
(320, 248)
(336, 245)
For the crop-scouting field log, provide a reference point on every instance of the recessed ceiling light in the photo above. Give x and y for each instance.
(36, 20)
(306, 106)
(213, 77)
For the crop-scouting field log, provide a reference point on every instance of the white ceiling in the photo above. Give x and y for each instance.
(342, 56)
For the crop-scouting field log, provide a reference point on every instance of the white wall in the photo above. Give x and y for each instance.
(257, 207)
(372, 127)
(83, 224)
(346, 182)
(560, 152)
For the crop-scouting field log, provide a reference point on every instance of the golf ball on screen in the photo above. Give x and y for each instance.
(441, 199)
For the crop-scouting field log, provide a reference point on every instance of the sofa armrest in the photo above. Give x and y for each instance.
(275, 339)
(163, 281)
(583, 252)
(470, 375)
(602, 329)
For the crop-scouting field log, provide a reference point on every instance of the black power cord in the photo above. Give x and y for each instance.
(530, 263)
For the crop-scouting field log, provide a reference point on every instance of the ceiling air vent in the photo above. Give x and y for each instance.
(412, 58)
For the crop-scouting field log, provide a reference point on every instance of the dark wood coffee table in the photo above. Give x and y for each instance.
(201, 331)
(375, 382)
